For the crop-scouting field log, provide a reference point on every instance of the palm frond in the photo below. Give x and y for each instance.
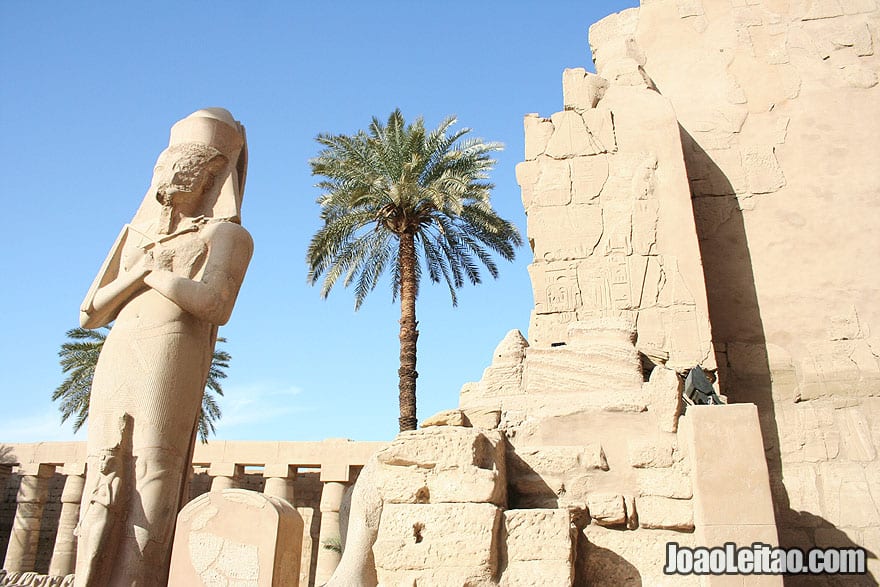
(79, 358)
(395, 177)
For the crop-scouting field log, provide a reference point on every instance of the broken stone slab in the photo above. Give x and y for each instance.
(450, 544)
(212, 546)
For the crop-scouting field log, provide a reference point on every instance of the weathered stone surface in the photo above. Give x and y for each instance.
(653, 452)
(571, 137)
(444, 464)
(599, 355)
(588, 177)
(664, 389)
(565, 233)
(537, 131)
(538, 548)
(616, 557)
(581, 90)
(174, 272)
(446, 418)
(538, 534)
(669, 482)
(665, 513)
(607, 509)
(438, 544)
(213, 547)
(552, 476)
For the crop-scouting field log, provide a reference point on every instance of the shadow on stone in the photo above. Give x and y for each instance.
(528, 489)
(597, 566)
(7, 456)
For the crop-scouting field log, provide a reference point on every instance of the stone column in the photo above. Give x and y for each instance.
(21, 554)
(64, 556)
(335, 478)
(225, 475)
(279, 481)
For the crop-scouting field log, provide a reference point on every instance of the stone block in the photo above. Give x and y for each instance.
(651, 452)
(563, 233)
(588, 177)
(670, 482)
(446, 418)
(552, 475)
(235, 536)
(538, 548)
(538, 534)
(730, 486)
(664, 389)
(581, 90)
(437, 544)
(571, 137)
(537, 133)
(665, 513)
(607, 509)
(443, 464)
(618, 557)
(546, 182)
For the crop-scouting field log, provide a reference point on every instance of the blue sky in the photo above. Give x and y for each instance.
(88, 94)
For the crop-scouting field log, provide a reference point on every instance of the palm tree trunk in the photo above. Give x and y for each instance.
(408, 333)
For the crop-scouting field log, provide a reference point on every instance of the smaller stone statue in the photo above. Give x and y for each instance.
(105, 508)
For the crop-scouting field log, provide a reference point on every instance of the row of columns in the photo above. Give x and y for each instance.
(279, 482)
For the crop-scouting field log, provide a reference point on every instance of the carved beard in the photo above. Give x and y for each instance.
(166, 219)
(166, 214)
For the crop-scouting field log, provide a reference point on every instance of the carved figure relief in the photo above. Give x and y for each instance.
(170, 280)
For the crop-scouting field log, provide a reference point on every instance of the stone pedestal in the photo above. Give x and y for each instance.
(23, 541)
(732, 500)
(236, 537)
(64, 555)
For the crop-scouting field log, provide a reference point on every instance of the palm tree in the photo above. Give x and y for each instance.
(397, 197)
(79, 357)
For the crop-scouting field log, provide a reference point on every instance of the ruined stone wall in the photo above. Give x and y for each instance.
(609, 220)
(778, 106)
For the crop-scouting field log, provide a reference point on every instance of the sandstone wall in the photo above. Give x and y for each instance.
(778, 106)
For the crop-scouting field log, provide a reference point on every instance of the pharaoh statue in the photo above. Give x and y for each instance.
(170, 279)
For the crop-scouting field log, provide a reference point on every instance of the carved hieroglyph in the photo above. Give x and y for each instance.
(170, 280)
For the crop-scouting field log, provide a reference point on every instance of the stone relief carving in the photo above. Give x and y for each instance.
(170, 280)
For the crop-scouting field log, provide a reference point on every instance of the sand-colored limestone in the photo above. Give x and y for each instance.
(213, 547)
(170, 280)
(779, 145)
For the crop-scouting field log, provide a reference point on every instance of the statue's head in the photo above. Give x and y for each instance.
(185, 173)
(202, 171)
